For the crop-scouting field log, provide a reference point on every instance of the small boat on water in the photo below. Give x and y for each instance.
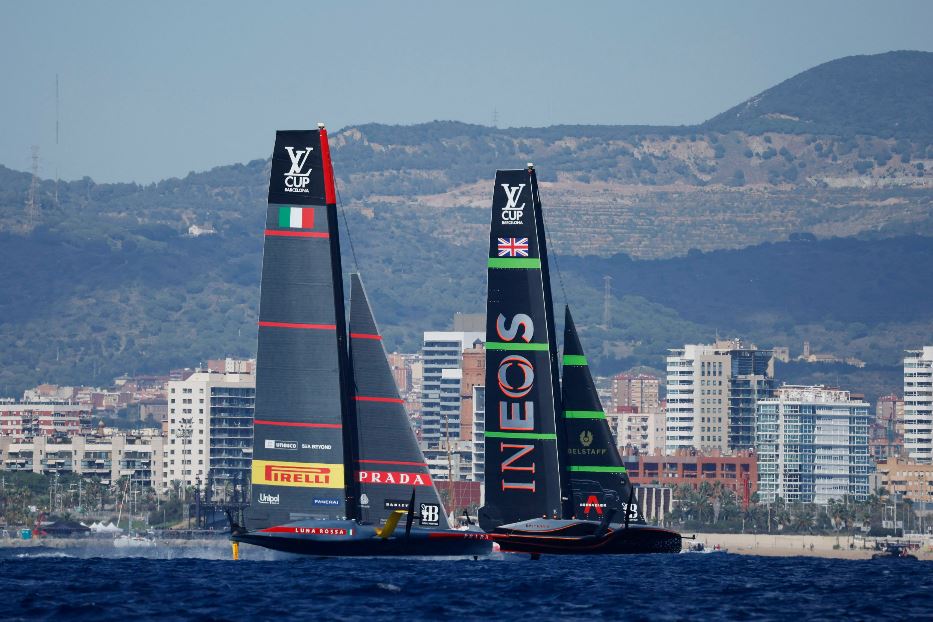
(698, 548)
(555, 482)
(894, 552)
(336, 468)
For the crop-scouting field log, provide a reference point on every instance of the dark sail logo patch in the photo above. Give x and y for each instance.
(586, 438)
(592, 503)
(297, 178)
(430, 514)
(513, 213)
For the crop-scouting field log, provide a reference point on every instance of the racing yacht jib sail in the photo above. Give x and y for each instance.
(335, 464)
(554, 479)
(598, 479)
(391, 464)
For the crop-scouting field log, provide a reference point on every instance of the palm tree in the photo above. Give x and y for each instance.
(803, 517)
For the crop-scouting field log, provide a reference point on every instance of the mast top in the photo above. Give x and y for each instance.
(320, 126)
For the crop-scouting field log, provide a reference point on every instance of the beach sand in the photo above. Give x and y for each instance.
(786, 546)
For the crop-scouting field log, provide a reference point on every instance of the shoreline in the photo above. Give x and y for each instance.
(767, 545)
(779, 545)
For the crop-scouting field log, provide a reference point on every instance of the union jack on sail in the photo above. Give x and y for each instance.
(513, 247)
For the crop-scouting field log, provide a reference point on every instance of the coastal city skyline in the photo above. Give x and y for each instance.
(462, 310)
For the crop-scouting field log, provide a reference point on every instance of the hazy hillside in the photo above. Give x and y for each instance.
(106, 281)
(882, 95)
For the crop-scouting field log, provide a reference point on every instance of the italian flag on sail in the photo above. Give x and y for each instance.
(296, 217)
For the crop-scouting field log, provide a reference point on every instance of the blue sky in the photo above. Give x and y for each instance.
(157, 89)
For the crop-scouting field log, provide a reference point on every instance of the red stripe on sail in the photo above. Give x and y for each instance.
(391, 400)
(307, 218)
(417, 464)
(297, 325)
(330, 195)
(365, 336)
(297, 424)
(299, 234)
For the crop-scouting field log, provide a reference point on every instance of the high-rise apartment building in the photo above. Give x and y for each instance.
(640, 391)
(478, 465)
(887, 430)
(711, 395)
(210, 430)
(401, 372)
(440, 414)
(918, 405)
(751, 378)
(812, 445)
(697, 398)
(639, 432)
(473, 374)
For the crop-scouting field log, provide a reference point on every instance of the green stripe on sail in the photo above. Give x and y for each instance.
(574, 359)
(597, 469)
(525, 435)
(584, 414)
(501, 345)
(514, 262)
(285, 216)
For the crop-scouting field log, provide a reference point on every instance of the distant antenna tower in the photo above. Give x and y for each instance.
(607, 295)
(495, 117)
(32, 201)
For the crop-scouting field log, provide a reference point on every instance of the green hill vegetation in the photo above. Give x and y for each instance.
(777, 237)
(886, 95)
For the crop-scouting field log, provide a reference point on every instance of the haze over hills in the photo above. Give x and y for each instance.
(106, 281)
(887, 95)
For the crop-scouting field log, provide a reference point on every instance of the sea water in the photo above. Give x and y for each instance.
(56, 585)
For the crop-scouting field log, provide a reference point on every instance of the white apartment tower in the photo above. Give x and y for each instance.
(478, 463)
(440, 393)
(697, 398)
(711, 394)
(812, 446)
(918, 404)
(210, 430)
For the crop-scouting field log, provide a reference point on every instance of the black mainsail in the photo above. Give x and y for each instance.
(390, 464)
(301, 363)
(522, 395)
(597, 477)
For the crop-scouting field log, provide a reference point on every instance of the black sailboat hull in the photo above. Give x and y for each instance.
(581, 537)
(335, 538)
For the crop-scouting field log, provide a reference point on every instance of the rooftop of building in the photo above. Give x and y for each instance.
(817, 394)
